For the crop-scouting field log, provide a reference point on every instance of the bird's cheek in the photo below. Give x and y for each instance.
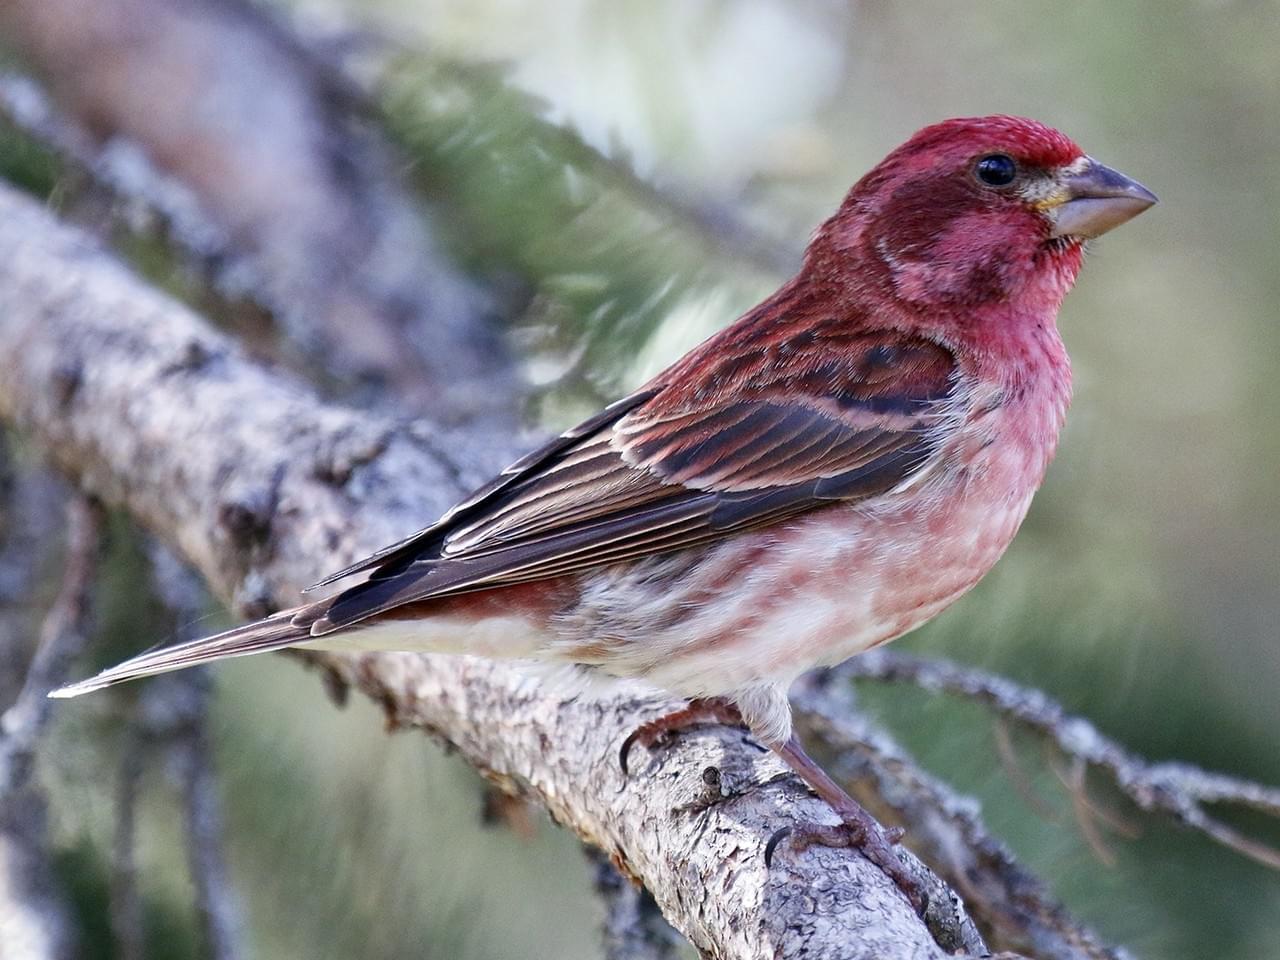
(941, 279)
(973, 257)
(914, 280)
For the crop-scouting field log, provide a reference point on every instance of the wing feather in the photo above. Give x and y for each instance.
(390, 558)
(648, 476)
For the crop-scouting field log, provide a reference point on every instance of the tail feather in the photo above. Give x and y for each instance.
(276, 632)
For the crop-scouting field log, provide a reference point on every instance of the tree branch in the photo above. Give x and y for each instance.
(32, 916)
(257, 484)
(63, 636)
(1014, 908)
(1177, 790)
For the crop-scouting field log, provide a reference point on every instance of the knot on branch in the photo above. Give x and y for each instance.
(193, 356)
(345, 450)
(246, 517)
(65, 383)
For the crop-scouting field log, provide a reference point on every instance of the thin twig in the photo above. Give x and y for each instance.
(125, 900)
(1076, 780)
(1073, 777)
(1178, 790)
(35, 918)
(63, 635)
(1011, 905)
(1008, 755)
(217, 905)
(185, 721)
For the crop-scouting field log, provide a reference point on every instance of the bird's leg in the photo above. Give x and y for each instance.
(858, 828)
(699, 711)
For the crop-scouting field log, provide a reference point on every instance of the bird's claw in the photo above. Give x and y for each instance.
(647, 735)
(627, 744)
(661, 729)
(777, 838)
(872, 841)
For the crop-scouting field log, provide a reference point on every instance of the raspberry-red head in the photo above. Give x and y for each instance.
(1028, 141)
(973, 211)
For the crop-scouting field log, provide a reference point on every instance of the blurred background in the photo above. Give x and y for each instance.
(612, 180)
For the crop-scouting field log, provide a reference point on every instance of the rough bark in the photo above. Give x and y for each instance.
(263, 488)
(633, 929)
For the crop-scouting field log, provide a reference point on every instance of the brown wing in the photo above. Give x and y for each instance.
(392, 558)
(667, 469)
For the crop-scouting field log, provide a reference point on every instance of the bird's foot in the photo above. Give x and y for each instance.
(663, 729)
(857, 829)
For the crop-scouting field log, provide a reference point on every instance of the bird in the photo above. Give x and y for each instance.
(821, 476)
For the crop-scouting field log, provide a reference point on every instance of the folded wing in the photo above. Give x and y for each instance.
(666, 470)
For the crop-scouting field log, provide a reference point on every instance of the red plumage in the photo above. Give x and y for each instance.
(819, 477)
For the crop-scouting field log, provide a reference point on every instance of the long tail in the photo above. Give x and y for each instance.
(276, 632)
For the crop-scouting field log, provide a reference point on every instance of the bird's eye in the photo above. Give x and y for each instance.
(996, 170)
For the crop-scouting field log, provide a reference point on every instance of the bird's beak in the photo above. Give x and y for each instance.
(1094, 199)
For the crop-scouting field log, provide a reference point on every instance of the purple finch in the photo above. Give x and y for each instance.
(820, 477)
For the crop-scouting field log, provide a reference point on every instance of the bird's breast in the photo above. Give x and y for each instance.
(766, 605)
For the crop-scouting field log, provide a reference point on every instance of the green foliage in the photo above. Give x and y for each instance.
(607, 257)
(25, 163)
(168, 927)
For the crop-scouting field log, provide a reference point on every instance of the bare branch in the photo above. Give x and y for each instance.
(259, 490)
(186, 712)
(33, 509)
(1005, 899)
(1177, 790)
(63, 636)
(33, 919)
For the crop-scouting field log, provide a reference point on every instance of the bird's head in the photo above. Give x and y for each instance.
(976, 211)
